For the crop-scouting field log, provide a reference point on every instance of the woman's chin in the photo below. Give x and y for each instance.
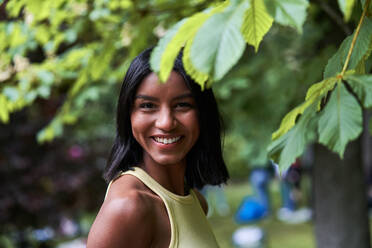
(168, 160)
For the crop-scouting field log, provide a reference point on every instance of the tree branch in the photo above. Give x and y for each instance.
(366, 5)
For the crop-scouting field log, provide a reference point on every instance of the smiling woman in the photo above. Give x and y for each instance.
(168, 144)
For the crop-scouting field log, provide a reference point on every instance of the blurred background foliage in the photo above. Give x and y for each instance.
(61, 65)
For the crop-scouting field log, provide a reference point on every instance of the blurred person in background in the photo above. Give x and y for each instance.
(291, 193)
(260, 178)
(167, 144)
(256, 207)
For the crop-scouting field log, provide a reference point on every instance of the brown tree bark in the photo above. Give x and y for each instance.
(341, 214)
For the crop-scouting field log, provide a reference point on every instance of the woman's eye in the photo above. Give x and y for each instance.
(184, 105)
(147, 105)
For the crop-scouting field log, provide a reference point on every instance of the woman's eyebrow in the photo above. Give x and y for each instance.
(151, 98)
(144, 97)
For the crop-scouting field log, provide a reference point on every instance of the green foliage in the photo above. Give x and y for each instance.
(346, 7)
(362, 47)
(214, 41)
(340, 121)
(4, 113)
(289, 12)
(218, 44)
(362, 86)
(83, 46)
(314, 95)
(169, 49)
(257, 23)
(261, 88)
(164, 54)
(54, 129)
(292, 144)
(60, 49)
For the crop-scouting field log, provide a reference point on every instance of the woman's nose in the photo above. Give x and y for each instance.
(165, 120)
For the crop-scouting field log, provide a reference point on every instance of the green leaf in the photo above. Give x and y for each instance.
(314, 94)
(346, 7)
(101, 62)
(45, 135)
(39, 8)
(14, 7)
(319, 90)
(362, 86)
(48, 133)
(362, 45)
(157, 54)
(289, 12)
(83, 79)
(18, 36)
(42, 34)
(290, 146)
(361, 67)
(335, 63)
(186, 31)
(73, 58)
(11, 93)
(256, 24)
(4, 114)
(46, 77)
(30, 96)
(341, 120)
(164, 54)
(69, 118)
(361, 49)
(44, 91)
(200, 77)
(218, 44)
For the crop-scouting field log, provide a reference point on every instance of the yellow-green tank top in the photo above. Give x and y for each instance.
(189, 225)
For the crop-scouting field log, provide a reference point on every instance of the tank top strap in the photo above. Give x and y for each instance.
(155, 186)
(152, 184)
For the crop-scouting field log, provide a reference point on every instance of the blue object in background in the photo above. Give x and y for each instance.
(250, 210)
(260, 179)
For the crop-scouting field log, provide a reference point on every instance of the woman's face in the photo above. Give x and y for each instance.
(164, 119)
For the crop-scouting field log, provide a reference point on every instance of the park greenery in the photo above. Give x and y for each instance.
(87, 46)
(215, 39)
(61, 63)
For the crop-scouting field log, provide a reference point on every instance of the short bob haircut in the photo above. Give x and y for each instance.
(205, 164)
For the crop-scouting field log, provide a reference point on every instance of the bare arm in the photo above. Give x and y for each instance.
(122, 222)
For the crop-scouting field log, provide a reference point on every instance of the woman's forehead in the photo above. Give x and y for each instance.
(151, 85)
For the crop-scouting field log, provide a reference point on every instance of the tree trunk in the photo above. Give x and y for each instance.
(341, 215)
(366, 144)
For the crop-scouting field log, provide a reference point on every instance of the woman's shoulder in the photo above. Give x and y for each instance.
(128, 205)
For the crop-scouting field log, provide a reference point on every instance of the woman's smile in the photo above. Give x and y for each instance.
(167, 140)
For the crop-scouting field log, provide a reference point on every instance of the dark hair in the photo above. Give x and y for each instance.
(205, 164)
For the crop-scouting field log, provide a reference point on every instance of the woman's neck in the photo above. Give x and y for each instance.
(169, 176)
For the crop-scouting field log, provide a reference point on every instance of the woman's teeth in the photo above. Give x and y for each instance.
(166, 140)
